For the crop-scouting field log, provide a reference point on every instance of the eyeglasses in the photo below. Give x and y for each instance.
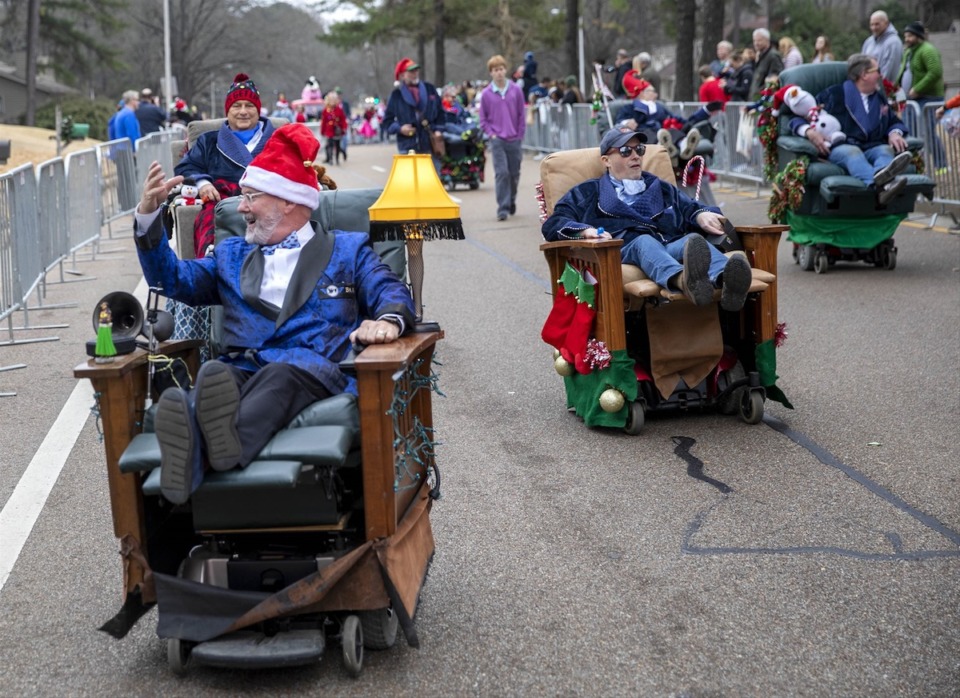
(625, 150)
(248, 198)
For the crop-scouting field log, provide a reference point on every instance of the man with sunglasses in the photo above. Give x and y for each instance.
(294, 296)
(661, 227)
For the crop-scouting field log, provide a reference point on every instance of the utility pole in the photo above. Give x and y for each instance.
(33, 48)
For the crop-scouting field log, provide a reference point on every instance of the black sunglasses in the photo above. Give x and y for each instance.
(625, 150)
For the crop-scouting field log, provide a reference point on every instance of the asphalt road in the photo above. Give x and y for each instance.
(573, 561)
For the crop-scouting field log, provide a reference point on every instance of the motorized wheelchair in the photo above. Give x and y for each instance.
(664, 352)
(838, 217)
(325, 536)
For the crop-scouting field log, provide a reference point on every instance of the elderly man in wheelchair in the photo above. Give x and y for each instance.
(650, 215)
(312, 520)
(283, 334)
(638, 290)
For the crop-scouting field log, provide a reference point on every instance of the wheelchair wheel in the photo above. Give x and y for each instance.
(351, 639)
(751, 406)
(379, 628)
(474, 185)
(178, 655)
(635, 418)
(889, 258)
(821, 263)
(805, 255)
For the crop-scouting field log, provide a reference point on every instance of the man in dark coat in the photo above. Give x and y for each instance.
(413, 110)
(294, 297)
(224, 154)
(662, 228)
(151, 117)
(875, 150)
(769, 62)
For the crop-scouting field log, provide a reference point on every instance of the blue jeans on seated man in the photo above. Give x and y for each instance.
(661, 261)
(862, 164)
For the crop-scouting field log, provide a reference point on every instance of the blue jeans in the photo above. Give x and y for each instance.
(662, 261)
(862, 164)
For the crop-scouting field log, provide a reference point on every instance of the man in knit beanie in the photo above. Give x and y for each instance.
(218, 158)
(295, 297)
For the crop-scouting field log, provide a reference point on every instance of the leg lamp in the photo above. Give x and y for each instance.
(415, 207)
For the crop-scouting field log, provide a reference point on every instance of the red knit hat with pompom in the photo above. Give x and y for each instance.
(242, 88)
(284, 168)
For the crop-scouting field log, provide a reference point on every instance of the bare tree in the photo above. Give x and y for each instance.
(712, 28)
(686, 34)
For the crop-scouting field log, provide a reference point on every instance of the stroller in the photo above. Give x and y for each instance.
(465, 159)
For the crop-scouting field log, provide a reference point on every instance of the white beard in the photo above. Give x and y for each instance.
(261, 229)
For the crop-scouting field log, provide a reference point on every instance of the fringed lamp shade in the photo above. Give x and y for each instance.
(415, 207)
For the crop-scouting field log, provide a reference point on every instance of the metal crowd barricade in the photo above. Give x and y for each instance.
(118, 174)
(52, 210)
(85, 205)
(11, 294)
(20, 254)
(156, 146)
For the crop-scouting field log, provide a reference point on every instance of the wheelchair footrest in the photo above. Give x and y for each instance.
(253, 650)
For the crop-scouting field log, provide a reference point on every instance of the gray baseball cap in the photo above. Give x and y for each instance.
(616, 137)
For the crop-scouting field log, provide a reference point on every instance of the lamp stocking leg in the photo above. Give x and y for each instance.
(415, 270)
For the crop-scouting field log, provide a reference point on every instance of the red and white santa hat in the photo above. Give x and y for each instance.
(284, 168)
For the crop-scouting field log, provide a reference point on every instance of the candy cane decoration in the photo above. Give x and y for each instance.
(686, 172)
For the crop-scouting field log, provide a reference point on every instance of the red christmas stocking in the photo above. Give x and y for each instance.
(581, 327)
(564, 306)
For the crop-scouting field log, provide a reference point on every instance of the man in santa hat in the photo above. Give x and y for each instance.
(413, 110)
(295, 297)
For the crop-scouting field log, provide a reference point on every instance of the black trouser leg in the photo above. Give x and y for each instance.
(269, 399)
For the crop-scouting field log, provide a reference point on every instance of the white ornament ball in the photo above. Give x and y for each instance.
(563, 367)
(556, 354)
(611, 400)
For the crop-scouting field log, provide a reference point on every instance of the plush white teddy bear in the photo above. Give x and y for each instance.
(805, 106)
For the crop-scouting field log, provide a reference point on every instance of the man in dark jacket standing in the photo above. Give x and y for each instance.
(151, 117)
(413, 110)
(769, 62)
(653, 219)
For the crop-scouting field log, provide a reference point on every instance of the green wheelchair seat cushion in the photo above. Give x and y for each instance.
(259, 474)
(324, 446)
(141, 454)
(834, 186)
(336, 410)
(820, 170)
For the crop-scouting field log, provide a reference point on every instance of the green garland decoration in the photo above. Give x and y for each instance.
(766, 357)
(788, 189)
(584, 390)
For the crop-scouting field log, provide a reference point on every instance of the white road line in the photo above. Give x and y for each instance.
(25, 504)
(377, 168)
(22, 510)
